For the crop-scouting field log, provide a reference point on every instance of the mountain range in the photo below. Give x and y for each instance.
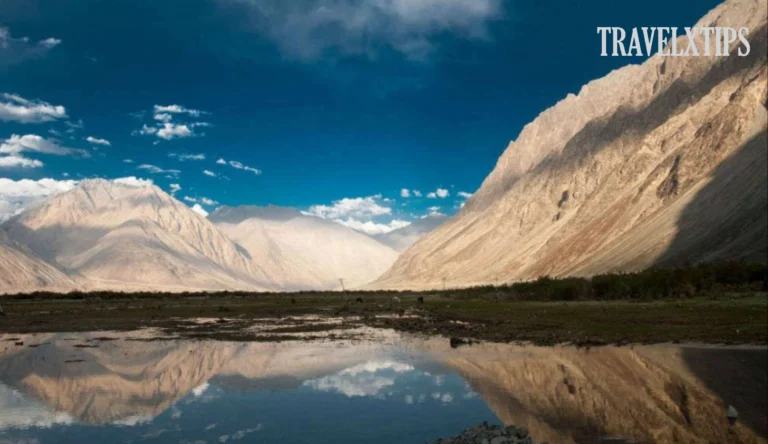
(129, 237)
(657, 164)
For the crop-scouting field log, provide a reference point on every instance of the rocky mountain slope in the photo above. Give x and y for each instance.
(402, 238)
(304, 252)
(127, 237)
(659, 163)
(20, 268)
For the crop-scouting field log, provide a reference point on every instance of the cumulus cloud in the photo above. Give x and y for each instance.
(441, 193)
(50, 42)
(156, 169)
(405, 193)
(167, 126)
(311, 29)
(19, 162)
(16, 195)
(239, 166)
(373, 228)
(464, 194)
(127, 160)
(11, 149)
(183, 157)
(174, 188)
(33, 143)
(417, 193)
(359, 213)
(133, 181)
(14, 108)
(199, 210)
(209, 173)
(201, 200)
(173, 131)
(355, 207)
(96, 141)
(14, 50)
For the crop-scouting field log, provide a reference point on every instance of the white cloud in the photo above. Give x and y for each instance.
(239, 165)
(363, 380)
(127, 160)
(183, 157)
(16, 195)
(172, 131)
(20, 49)
(417, 193)
(163, 117)
(405, 193)
(434, 209)
(15, 108)
(174, 188)
(442, 193)
(30, 142)
(373, 228)
(209, 173)
(359, 213)
(96, 141)
(199, 210)
(311, 29)
(166, 128)
(145, 130)
(202, 200)
(156, 169)
(350, 207)
(133, 181)
(177, 109)
(464, 194)
(50, 42)
(19, 162)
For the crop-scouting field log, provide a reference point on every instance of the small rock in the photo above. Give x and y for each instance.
(500, 440)
(522, 432)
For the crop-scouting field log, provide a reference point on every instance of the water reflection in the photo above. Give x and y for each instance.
(82, 388)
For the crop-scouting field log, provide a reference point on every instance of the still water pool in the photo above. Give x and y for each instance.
(128, 388)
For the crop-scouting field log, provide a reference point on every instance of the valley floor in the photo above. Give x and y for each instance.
(732, 318)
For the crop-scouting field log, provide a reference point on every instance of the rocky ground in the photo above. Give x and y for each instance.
(490, 434)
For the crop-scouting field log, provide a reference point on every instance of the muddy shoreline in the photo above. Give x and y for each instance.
(738, 319)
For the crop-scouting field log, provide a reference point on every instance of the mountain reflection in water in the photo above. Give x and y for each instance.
(82, 388)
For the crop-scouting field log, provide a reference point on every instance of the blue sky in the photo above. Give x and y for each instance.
(307, 102)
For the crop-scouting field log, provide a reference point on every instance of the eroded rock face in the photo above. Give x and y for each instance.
(659, 163)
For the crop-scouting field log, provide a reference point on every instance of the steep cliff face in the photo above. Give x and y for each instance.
(659, 163)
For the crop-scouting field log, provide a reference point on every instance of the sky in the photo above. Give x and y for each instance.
(372, 113)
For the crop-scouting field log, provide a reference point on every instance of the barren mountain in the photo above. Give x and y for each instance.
(21, 269)
(402, 238)
(304, 252)
(131, 237)
(659, 163)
